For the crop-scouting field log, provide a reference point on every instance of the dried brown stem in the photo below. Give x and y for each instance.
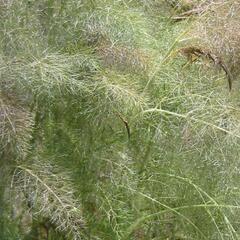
(126, 125)
(198, 52)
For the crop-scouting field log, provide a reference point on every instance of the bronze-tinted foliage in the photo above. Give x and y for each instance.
(193, 53)
(123, 56)
(15, 128)
(219, 31)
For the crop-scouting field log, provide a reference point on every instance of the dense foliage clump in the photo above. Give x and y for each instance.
(116, 120)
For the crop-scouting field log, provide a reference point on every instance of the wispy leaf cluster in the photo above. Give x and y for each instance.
(48, 193)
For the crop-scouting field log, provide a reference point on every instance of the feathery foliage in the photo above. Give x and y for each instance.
(109, 129)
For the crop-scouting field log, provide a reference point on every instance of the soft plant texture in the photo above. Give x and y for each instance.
(108, 130)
